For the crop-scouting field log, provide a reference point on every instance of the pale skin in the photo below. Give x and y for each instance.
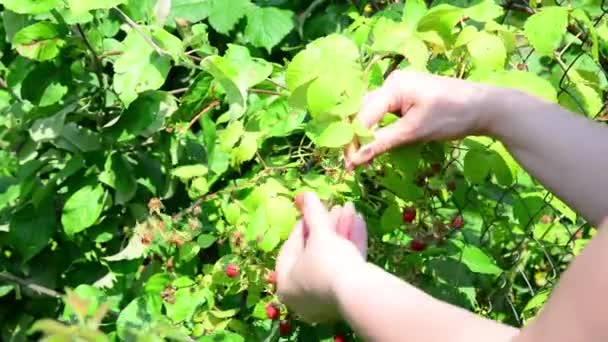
(322, 270)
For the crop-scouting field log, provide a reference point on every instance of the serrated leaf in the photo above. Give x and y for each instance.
(82, 6)
(188, 251)
(30, 6)
(484, 11)
(336, 134)
(139, 314)
(391, 219)
(82, 209)
(187, 172)
(223, 15)
(476, 259)
(477, 166)
(139, 68)
(487, 51)
(413, 11)
(546, 28)
(267, 26)
(522, 80)
(31, 229)
(581, 98)
(191, 10)
(144, 116)
(40, 41)
(206, 240)
(118, 174)
(441, 20)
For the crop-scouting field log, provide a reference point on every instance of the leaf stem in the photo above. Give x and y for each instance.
(205, 110)
(138, 29)
(9, 277)
(95, 56)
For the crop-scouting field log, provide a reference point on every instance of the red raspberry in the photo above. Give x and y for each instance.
(271, 277)
(409, 214)
(457, 222)
(339, 338)
(417, 245)
(232, 271)
(272, 312)
(285, 328)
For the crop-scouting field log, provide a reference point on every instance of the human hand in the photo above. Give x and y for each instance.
(431, 107)
(322, 247)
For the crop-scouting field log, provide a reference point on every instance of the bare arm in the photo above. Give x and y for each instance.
(382, 307)
(565, 151)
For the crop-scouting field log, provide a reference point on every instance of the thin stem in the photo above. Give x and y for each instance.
(137, 28)
(6, 276)
(266, 92)
(95, 57)
(205, 110)
(277, 84)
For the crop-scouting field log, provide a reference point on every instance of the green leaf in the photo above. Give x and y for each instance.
(49, 128)
(83, 139)
(188, 298)
(281, 215)
(222, 336)
(389, 36)
(336, 134)
(188, 251)
(581, 98)
(206, 240)
(31, 229)
(477, 166)
(391, 219)
(223, 14)
(139, 68)
(30, 6)
(484, 11)
(521, 80)
(487, 51)
(40, 41)
(145, 116)
(326, 77)
(191, 10)
(5, 289)
(413, 11)
(267, 26)
(246, 149)
(237, 71)
(82, 209)
(118, 174)
(441, 19)
(546, 28)
(198, 187)
(140, 314)
(82, 6)
(187, 172)
(476, 259)
(537, 301)
(45, 85)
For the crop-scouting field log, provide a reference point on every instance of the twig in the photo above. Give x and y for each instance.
(205, 110)
(95, 58)
(266, 92)
(302, 17)
(178, 91)
(6, 276)
(5, 86)
(269, 80)
(136, 27)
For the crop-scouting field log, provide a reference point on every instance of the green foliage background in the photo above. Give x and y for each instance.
(147, 144)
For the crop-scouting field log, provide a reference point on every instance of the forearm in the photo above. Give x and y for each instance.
(563, 150)
(382, 307)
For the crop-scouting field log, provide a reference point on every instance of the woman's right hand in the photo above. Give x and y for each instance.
(431, 108)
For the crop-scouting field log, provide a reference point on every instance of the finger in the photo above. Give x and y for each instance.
(315, 216)
(290, 251)
(346, 221)
(359, 235)
(377, 103)
(386, 139)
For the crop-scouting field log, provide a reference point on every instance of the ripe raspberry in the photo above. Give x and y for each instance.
(271, 277)
(232, 271)
(417, 245)
(521, 66)
(272, 312)
(457, 222)
(339, 338)
(285, 328)
(409, 214)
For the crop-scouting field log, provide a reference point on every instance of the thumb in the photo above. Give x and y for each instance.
(315, 217)
(386, 138)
